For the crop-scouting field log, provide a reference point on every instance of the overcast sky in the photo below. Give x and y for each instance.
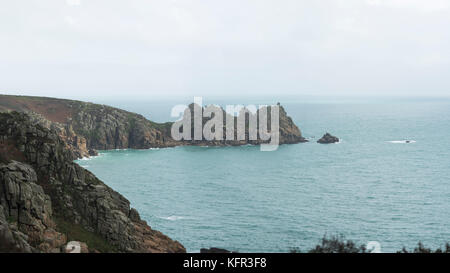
(152, 48)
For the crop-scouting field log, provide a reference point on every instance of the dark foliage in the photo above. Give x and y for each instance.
(422, 249)
(338, 244)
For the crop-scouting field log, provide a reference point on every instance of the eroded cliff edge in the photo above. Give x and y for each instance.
(46, 199)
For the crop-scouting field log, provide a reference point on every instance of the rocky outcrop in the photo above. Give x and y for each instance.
(77, 144)
(289, 132)
(28, 209)
(328, 139)
(11, 240)
(47, 185)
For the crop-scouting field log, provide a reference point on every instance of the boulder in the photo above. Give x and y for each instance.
(76, 247)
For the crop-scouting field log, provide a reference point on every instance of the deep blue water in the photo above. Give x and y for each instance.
(368, 187)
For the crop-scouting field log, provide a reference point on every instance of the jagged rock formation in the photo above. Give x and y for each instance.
(43, 192)
(24, 203)
(328, 139)
(75, 143)
(86, 127)
(289, 132)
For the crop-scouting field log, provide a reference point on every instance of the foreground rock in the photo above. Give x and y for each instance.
(328, 139)
(28, 210)
(44, 196)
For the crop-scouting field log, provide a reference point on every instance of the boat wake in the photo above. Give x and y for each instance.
(402, 141)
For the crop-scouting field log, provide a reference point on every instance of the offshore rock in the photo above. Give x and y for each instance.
(328, 139)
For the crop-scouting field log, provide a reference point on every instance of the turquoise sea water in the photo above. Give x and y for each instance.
(369, 187)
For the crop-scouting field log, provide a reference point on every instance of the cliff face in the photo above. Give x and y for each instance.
(86, 127)
(44, 197)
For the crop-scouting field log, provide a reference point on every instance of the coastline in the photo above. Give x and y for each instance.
(78, 143)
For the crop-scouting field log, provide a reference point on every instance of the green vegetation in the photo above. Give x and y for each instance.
(76, 232)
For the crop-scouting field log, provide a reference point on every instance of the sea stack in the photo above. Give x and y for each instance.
(328, 139)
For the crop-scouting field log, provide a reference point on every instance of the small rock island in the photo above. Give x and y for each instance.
(328, 139)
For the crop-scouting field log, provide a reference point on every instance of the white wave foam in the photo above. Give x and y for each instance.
(402, 141)
(89, 158)
(173, 218)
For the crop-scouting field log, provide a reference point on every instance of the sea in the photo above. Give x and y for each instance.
(371, 186)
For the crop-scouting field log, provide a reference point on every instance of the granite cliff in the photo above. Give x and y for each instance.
(46, 199)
